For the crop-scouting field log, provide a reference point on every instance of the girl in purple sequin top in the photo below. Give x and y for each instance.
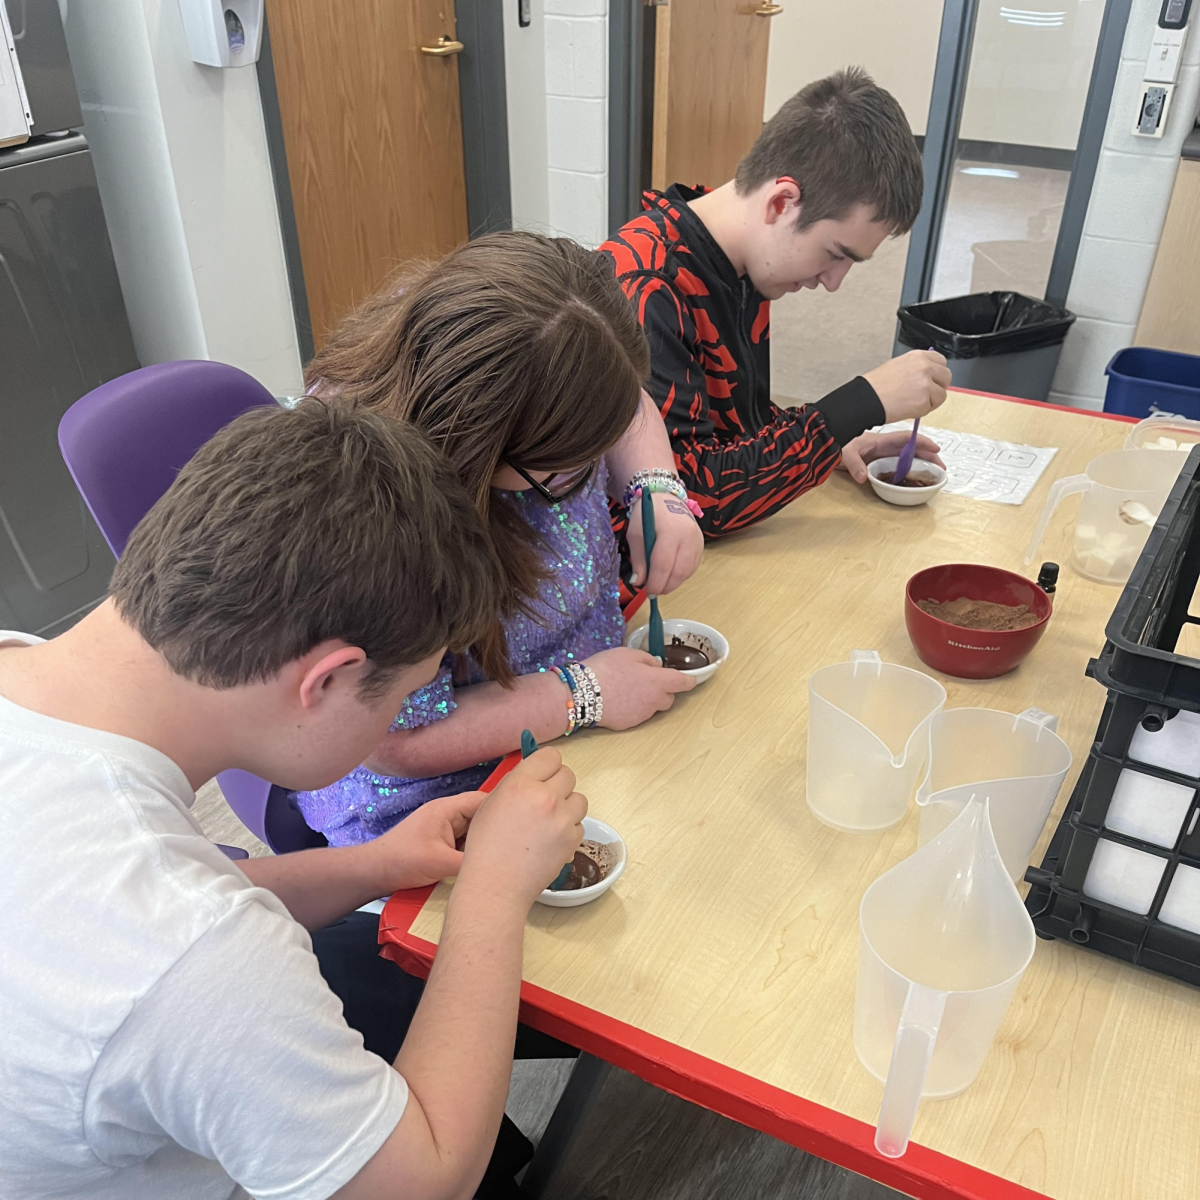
(519, 355)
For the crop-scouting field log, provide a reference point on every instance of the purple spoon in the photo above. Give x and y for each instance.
(905, 461)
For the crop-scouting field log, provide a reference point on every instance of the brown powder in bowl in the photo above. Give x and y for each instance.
(980, 614)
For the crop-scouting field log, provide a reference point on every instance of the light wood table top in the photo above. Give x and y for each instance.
(734, 931)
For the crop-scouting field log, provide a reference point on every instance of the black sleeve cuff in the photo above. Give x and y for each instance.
(850, 410)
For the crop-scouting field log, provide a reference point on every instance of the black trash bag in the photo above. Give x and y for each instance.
(983, 324)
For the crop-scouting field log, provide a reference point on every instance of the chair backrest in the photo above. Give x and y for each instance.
(124, 443)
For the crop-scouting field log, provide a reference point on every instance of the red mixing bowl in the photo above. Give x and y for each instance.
(972, 653)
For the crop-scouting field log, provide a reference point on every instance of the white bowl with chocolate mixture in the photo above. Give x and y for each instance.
(683, 639)
(603, 854)
(923, 482)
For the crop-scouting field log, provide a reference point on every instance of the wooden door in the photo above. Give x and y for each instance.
(710, 84)
(373, 132)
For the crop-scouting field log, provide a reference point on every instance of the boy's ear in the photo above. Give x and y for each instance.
(328, 665)
(783, 199)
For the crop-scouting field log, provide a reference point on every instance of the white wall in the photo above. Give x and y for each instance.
(1027, 83)
(557, 73)
(525, 80)
(181, 159)
(895, 40)
(1125, 216)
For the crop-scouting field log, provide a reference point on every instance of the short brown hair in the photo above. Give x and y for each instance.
(846, 142)
(515, 348)
(288, 529)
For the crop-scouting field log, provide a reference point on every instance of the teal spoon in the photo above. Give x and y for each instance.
(528, 747)
(655, 642)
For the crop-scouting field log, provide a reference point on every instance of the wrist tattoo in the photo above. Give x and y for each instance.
(674, 506)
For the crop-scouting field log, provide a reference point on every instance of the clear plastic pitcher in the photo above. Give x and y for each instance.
(1018, 763)
(867, 740)
(943, 942)
(1123, 492)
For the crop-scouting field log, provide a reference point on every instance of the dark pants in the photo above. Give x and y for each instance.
(379, 1000)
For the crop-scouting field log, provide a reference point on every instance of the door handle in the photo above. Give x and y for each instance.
(768, 10)
(444, 47)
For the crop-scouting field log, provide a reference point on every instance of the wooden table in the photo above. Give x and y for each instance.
(722, 966)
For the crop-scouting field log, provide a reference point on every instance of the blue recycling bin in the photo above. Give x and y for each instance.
(1143, 381)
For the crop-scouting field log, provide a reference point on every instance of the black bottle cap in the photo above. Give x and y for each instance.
(1048, 576)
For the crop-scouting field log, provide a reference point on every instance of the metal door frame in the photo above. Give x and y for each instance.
(483, 99)
(941, 143)
(631, 26)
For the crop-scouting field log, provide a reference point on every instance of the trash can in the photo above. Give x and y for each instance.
(1143, 381)
(999, 342)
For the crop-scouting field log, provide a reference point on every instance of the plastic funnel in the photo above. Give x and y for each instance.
(867, 740)
(1018, 763)
(943, 942)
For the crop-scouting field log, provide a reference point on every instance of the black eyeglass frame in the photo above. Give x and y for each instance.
(543, 489)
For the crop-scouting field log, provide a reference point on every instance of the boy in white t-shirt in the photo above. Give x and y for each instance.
(164, 1028)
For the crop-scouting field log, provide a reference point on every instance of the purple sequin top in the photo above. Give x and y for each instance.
(578, 614)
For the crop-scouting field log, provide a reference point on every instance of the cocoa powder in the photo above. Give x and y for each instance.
(980, 614)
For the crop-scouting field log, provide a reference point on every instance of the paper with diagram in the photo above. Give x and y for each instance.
(983, 468)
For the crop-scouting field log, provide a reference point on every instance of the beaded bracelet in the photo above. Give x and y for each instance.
(659, 481)
(590, 687)
(572, 715)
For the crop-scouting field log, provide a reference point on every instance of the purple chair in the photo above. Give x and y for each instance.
(124, 443)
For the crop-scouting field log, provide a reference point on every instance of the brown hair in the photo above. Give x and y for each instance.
(515, 348)
(845, 141)
(288, 529)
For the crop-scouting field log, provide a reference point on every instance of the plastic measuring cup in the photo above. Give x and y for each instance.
(943, 942)
(867, 740)
(1120, 491)
(1018, 763)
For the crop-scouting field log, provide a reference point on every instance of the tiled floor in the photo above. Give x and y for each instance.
(999, 235)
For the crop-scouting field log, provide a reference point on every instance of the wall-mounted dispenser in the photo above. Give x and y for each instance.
(15, 118)
(223, 33)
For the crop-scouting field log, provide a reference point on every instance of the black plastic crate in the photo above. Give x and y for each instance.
(1149, 684)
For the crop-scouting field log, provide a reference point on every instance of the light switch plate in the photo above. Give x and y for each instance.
(1165, 52)
(1152, 110)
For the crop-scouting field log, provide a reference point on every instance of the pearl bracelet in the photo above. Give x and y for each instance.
(659, 481)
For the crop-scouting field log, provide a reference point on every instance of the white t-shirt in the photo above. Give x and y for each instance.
(165, 1033)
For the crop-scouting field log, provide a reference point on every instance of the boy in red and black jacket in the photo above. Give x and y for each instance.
(833, 173)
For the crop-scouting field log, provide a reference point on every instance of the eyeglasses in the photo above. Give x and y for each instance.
(570, 482)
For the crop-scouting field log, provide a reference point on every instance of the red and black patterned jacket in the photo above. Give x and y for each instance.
(741, 457)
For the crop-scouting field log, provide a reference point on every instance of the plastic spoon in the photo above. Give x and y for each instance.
(655, 641)
(905, 461)
(529, 746)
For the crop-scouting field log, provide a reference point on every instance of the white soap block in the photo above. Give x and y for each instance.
(1175, 747)
(1148, 808)
(1085, 537)
(1181, 905)
(1124, 877)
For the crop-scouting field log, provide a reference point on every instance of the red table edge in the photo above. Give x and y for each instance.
(812, 1127)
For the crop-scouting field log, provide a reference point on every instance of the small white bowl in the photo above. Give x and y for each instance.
(682, 628)
(594, 831)
(905, 497)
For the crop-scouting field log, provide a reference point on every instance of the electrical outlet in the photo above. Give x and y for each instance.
(1152, 111)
